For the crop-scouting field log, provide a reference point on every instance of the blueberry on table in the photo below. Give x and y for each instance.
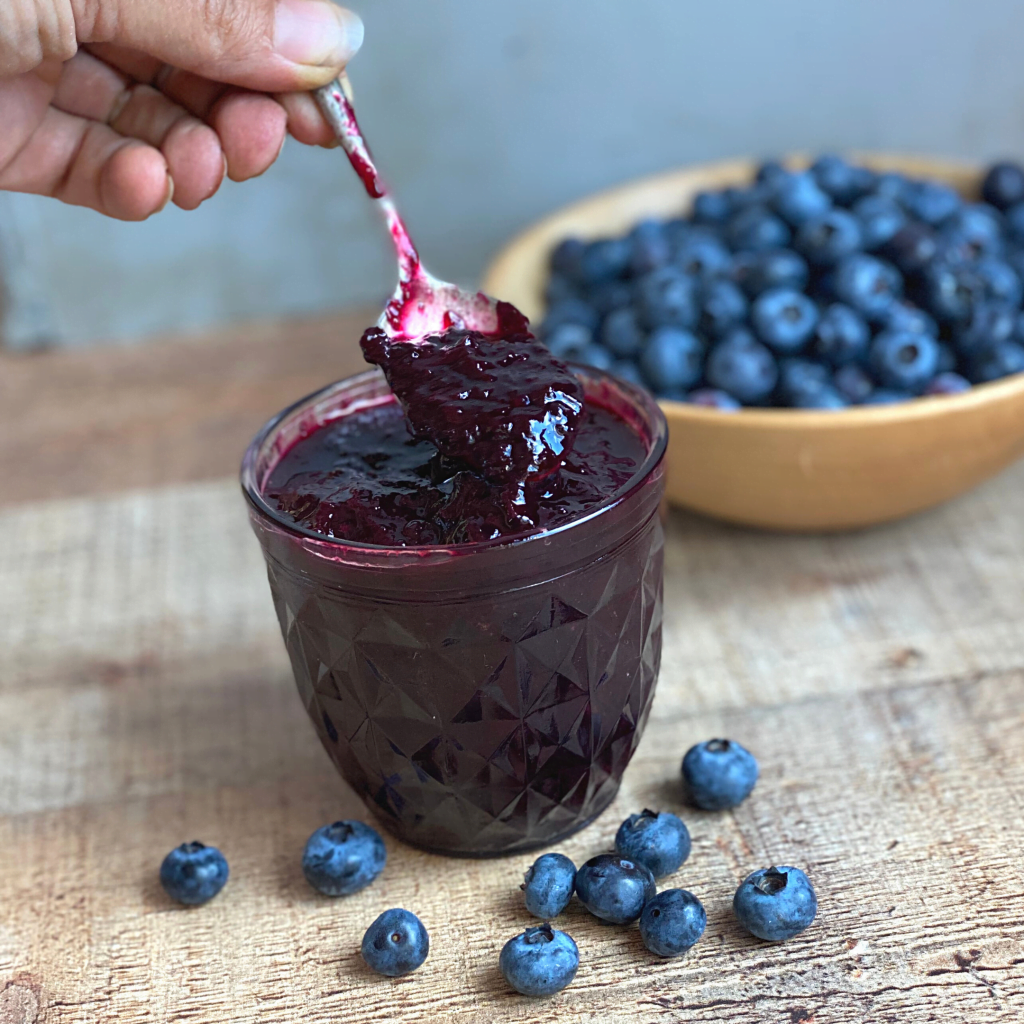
(755, 229)
(193, 873)
(719, 774)
(614, 888)
(396, 943)
(672, 922)
(947, 383)
(548, 885)
(666, 296)
(539, 962)
(743, 367)
(880, 219)
(826, 239)
(841, 335)
(1001, 361)
(343, 858)
(660, 841)
(867, 284)
(672, 359)
(1003, 185)
(784, 319)
(904, 360)
(775, 903)
(712, 398)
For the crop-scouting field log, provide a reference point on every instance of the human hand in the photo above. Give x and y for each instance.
(123, 105)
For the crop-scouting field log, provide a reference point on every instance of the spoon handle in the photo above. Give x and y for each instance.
(335, 102)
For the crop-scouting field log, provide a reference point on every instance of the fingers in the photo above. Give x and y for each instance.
(252, 130)
(89, 164)
(265, 45)
(305, 122)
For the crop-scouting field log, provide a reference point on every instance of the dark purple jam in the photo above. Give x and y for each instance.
(502, 405)
(366, 478)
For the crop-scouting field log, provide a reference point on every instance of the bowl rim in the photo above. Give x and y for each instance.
(754, 417)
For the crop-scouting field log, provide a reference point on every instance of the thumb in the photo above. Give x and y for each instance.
(267, 45)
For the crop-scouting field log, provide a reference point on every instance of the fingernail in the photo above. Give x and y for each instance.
(316, 33)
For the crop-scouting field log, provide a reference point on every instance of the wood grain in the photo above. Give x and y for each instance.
(145, 699)
(113, 418)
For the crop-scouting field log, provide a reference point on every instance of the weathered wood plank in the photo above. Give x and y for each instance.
(145, 699)
(112, 418)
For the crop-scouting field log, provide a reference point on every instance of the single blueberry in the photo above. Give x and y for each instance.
(784, 319)
(396, 943)
(569, 311)
(193, 873)
(947, 358)
(989, 324)
(712, 207)
(548, 885)
(931, 201)
(702, 256)
(800, 374)
(742, 366)
(343, 858)
(775, 903)
(627, 370)
(904, 360)
(755, 229)
(650, 247)
(797, 197)
(719, 774)
(880, 219)
(712, 398)
(843, 182)
(540, 961)
(659, 841)
(566, 257)
(723, 306)
(999, 361)
(605, 260)
(568, 341)
(947, 383)
(912, 248)
(951, 291)
(891, 185)
(667, 296)
(672, 922)
(773, 268)
(867, 284)
(841, 335)
(827, 238)
(904, 316)
(1003, 185)
(977, 227)
(614, 888)
(853, 382)
(770, 172)
(672, 359)
(999, 280)
(887, 396)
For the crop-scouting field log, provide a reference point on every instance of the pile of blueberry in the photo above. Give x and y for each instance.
(815, 289)
(773, 903)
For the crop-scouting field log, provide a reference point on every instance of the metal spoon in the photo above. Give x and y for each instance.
(422, 304)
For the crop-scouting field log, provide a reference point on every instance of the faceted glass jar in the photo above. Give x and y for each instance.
(481, 698)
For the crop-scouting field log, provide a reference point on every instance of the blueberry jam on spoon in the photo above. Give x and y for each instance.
(471, 378)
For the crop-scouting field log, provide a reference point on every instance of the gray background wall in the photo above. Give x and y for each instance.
(485, 115)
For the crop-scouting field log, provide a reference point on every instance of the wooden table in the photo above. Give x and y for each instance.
(145, 699)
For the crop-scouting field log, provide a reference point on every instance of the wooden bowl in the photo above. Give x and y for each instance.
(788, 469)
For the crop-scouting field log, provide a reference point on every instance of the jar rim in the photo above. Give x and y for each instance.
(252, 480)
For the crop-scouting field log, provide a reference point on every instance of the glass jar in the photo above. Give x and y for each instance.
(481, 698)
